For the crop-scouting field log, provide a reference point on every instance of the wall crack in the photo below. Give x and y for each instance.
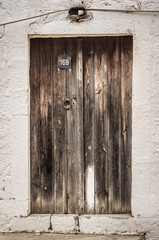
(50, 227)
(2, 32)
(77, 225)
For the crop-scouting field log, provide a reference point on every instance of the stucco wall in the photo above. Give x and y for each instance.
(14, 112)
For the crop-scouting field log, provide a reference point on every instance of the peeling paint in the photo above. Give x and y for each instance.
(90, 187)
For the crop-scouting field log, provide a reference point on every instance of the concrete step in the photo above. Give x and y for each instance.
(32, 236)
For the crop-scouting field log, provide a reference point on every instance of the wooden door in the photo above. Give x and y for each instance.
(81, 125)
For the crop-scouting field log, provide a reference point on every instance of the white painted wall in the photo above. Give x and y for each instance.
(14, 112)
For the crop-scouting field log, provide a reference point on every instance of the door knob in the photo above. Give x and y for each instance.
(67, 103)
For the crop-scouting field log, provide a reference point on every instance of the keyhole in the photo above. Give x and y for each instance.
(67, 103)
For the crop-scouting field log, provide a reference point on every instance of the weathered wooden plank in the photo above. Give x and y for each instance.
(45, 123)
(89, 121)
(80, 141)
(71, 127)
(74, 126)
(100, 125)
(59, 129)
(114, 173)
(126, 121)
(35, 127)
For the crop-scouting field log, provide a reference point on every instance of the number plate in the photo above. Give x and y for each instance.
(64, 62)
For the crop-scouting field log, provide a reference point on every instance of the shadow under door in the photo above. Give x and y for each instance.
(80, 125)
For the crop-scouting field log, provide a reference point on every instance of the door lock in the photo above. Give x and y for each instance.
(67, 104)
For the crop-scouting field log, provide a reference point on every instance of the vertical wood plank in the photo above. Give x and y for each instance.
(74, 126)
(71, 142)
(89, 121)
(45, 124)
(126, 121)
(35, 127)
(59, 129)
(114, 173)
(100, 125)
(80, 140)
